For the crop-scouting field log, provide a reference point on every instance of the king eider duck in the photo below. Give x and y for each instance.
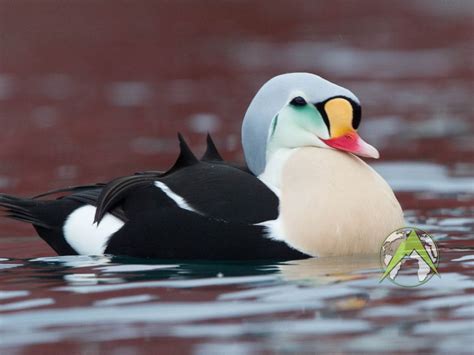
(304, 192)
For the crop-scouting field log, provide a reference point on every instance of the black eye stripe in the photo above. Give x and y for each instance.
(357, 115)
(298, 101)
(320, 107)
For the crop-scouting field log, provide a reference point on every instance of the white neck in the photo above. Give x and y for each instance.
(272, 174)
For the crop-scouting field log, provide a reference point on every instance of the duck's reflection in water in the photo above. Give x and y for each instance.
(330, 270)
(328, 279)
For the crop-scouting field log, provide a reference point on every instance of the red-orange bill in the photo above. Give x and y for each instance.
(351, 142)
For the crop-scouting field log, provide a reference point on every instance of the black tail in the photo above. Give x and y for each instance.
(46, 216)
(22, 209)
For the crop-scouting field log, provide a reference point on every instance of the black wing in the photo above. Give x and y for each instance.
(207, 183)
(211, 188)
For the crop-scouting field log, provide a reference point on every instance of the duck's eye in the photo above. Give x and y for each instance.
(298, 101)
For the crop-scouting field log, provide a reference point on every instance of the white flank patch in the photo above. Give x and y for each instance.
(181, 202)
(274, 229)
(84, 236)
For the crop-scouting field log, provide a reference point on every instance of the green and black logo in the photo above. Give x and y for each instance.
(409, 257)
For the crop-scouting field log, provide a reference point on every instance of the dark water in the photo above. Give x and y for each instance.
(91, 90)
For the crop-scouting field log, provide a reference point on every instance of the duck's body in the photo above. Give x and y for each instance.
(301, 195)
(197, 210)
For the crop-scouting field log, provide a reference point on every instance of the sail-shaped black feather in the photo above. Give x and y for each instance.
(211, 154)
(186, 157)
(115, 191)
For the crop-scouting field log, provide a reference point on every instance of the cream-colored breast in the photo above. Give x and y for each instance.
(332, 203)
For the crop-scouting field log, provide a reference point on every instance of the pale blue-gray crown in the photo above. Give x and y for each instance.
(269, 100)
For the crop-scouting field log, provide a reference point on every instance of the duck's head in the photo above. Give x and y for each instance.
(300, 110)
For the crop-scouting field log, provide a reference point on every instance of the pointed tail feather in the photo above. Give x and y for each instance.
(22, 209)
